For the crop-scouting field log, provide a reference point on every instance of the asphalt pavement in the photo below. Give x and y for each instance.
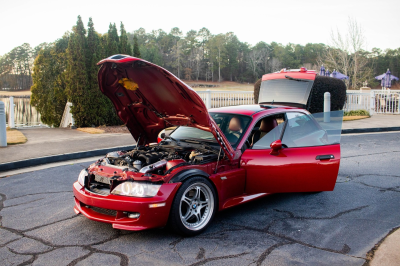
(39, 226)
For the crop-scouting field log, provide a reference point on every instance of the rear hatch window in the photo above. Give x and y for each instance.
(293, 92)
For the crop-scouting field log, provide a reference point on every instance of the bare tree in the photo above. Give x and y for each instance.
(265, 54)
(359, 61)
(346, 54)
(255, 58)
(275, 64)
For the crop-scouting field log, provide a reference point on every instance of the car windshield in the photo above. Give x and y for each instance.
(232, 125)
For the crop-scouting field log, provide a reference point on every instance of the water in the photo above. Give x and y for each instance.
(25, 114)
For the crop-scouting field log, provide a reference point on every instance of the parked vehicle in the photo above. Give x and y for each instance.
(214, 159)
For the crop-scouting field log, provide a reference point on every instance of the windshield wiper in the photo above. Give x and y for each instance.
(169, 137)
(291, 78)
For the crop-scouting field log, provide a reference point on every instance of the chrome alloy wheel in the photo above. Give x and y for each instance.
(196, 206)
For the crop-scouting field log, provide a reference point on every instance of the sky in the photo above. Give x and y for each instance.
(299, 22)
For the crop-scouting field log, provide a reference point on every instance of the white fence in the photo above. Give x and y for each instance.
(375, 101)
(214, 99)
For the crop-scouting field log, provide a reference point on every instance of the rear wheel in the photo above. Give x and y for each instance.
(194, 207)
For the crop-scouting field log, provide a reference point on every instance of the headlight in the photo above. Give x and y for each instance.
(136, 189)
(81, 178)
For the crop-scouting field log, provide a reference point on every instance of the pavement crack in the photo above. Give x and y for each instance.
(321, 218)
(176, 242)
(291, 215)
(2, 199)
(40, 226)
(202, 262)
(32, 253)
(124, 260)
(75, 261)
(268, 251)
(289, 239)
(40, 193)
(394, 189)
(23, 203)
(29, 262)
(201, 254)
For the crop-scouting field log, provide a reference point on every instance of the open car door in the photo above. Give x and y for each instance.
(304, 158)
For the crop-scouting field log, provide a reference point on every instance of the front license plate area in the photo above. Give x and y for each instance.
(102, 179)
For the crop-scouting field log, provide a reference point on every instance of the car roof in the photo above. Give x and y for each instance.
(252, 109)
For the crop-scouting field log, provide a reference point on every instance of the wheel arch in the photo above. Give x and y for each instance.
(189, 173)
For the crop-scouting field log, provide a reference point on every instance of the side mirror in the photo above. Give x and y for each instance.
(276, 146)
(162, 135)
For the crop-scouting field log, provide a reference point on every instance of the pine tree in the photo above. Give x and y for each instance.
(136, 51)
(112, 41)
(100, 110)
(124, 45)
(77, 79)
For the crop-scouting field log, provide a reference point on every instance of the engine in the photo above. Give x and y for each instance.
(158, 159)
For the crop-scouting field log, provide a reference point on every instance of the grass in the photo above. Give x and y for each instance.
(15, 137)
(357, 113)
(91, 130)
(15, 93)
(351, 118)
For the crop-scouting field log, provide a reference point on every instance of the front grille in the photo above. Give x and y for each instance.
(99, 185)
(102, 211)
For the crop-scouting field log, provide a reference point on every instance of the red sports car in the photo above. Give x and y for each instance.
(214, 159)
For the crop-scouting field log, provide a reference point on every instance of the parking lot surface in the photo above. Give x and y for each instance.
(39, 226)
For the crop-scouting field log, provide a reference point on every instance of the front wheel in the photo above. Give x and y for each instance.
(194, 207)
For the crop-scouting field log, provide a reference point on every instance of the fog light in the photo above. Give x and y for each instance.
(133, 215)
(156, 205)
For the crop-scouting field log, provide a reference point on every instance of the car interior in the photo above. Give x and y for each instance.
(263, 127)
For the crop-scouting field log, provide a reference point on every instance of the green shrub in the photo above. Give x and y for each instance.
(357, 113)
(322, 84)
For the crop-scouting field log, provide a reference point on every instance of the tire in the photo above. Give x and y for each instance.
(194, 207)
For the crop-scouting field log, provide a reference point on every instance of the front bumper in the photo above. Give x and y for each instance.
(116, 208)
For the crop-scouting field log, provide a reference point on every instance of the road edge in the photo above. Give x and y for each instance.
(59, 157)
(369, 130)
(371, 253)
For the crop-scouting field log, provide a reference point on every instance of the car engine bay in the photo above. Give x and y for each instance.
(160, 158)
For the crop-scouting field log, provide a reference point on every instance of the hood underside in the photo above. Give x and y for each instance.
(148, 98)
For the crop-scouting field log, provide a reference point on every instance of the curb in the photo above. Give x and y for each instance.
(369, 130)
(59, 157)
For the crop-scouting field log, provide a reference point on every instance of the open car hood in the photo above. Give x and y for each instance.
(148, 98)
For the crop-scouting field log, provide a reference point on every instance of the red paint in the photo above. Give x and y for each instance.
(292, 170)
(239, 177)
(300, 74)
(149, 217)
(160, 100)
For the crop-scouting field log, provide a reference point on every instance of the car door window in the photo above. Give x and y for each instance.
(269, 129)
(303, 131)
